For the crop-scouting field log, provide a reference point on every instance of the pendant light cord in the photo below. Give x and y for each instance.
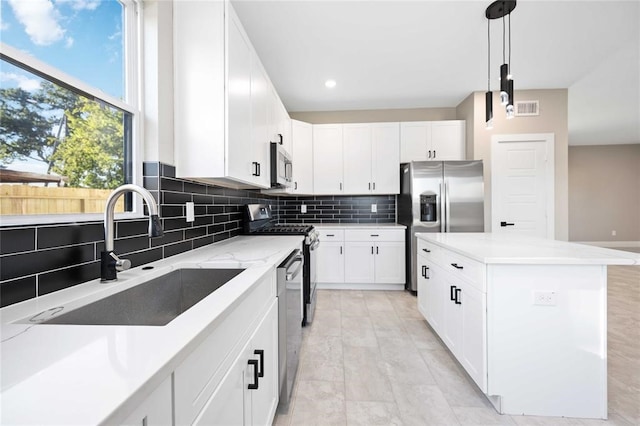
(503, 45)
(488, 55)
(509, 43)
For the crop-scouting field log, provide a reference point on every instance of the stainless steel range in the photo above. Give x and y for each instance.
(258, 220)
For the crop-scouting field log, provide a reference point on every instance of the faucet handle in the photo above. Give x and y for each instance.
(123, 264)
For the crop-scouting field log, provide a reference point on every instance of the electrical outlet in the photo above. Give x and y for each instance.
(303, 208)
(190, 212)
(544, 298)
(613, 233)
(374, 208)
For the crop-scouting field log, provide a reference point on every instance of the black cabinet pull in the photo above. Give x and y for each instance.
(280, 141)
(369, 186)
(331, 235)
(374, 235)
(374, 186)
(429, 153)
(340, 186)
(452, 292)
(260, 352)
(256, 168)
(377, 250)
(458, 301)
(296, 185)
(254, 385)
(506, 224)
(424, 271)
(371, 249)
(340, 249)
(434, 153)
(455, 265)
(426, 250)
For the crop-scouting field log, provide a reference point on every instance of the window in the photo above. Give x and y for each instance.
(67, 104)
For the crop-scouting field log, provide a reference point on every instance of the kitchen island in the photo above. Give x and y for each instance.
(525, 317)
(115, 374)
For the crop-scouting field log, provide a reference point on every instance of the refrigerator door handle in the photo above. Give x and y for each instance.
(447, 207)
(441, 208)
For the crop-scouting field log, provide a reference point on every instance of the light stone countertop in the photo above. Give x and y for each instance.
(83, 374)
(358, 225)
(493, 248)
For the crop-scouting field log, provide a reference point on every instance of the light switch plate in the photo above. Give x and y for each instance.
(374, 208)
(190, 212)
(303, 208)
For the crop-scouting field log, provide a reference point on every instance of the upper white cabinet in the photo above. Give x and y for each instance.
(223, 123)
(327, 159)
(371, 153)
(432, 140)
(302, 151)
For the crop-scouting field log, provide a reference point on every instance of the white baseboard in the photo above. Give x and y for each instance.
(610, 243)
(359, 286)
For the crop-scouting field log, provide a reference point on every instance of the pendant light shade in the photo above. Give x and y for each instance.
(488, 104)
(501, 9)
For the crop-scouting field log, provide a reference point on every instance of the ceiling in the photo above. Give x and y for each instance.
(417, 54)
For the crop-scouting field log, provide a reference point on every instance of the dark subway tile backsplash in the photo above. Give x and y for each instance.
(40, 259)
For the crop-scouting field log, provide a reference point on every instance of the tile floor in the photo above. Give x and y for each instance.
(371, 359)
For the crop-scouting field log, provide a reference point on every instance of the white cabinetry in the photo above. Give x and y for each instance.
(222, 123)
(371, 153)
(212, 382)
(432, 140)
(155, 410)
(248, 394)
(330, 257)
(327, 159)
(371, 258)
(452, 298)
(302, 151)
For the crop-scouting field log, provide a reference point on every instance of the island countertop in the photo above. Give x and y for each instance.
(96, 374)
(493, 248)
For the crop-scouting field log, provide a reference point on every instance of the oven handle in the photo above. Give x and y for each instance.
(296, 272)
(315, 245)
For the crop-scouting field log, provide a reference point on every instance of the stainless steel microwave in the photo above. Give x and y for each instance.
(281, 166)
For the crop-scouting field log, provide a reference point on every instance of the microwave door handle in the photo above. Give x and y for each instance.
(288, 171)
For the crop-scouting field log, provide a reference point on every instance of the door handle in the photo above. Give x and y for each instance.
(371, 249)
(429, 153)
(434, 153)
(254, 385)
(458, 292)
(260, 352)
(255, 168)
(506, 224)
(424, 271)
(455, 265)
(340, 249)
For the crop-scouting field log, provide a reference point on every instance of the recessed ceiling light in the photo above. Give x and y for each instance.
(330, 84)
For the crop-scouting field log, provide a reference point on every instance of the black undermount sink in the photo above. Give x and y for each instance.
(155, 302)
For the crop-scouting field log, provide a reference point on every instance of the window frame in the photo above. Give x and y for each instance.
(132, 104)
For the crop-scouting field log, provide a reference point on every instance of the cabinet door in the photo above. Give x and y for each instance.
(389, 262)
(356, 149)
(327, 159)
(227, 404)
(436, 296)
(474, 335)
(385, 158)
(261, 129)
(330, 261)
(359, 262)
(452, 324)
(155, 410)
(302, 141)
(264, 400)
(423, 287)
(239, 145)
(448, 140)
(414, 141)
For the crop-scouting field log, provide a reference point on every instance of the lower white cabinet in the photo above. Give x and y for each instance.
(248, 394)
(155, 410)
(358, 257)
(453, 305)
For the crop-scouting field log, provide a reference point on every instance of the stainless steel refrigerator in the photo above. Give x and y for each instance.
(439, 196)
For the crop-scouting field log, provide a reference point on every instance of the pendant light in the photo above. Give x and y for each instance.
(501, 9)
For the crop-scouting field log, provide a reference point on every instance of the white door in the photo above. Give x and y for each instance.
(390, 264)
(522, 191)
(436, 296)
(356, 140)
(414, 138)
(327, 159)
(358, 262)
(302, 141)
(385, 158)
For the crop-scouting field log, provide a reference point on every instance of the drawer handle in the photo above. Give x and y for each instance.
(331, 235)
(371, 249)
(426, 250)
(425, 271)
(375, 235)
(260, 352)
(458, 292)
(455, 265)
(340, 249)
(254, 385)
(452, 292)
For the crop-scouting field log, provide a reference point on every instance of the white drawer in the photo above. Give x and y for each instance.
(331, 234)
(464, 267)
(374, 235)
(201, 372)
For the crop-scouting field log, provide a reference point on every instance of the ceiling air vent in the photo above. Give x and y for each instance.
(527, 108)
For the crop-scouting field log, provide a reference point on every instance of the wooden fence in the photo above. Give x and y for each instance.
(26, 200)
